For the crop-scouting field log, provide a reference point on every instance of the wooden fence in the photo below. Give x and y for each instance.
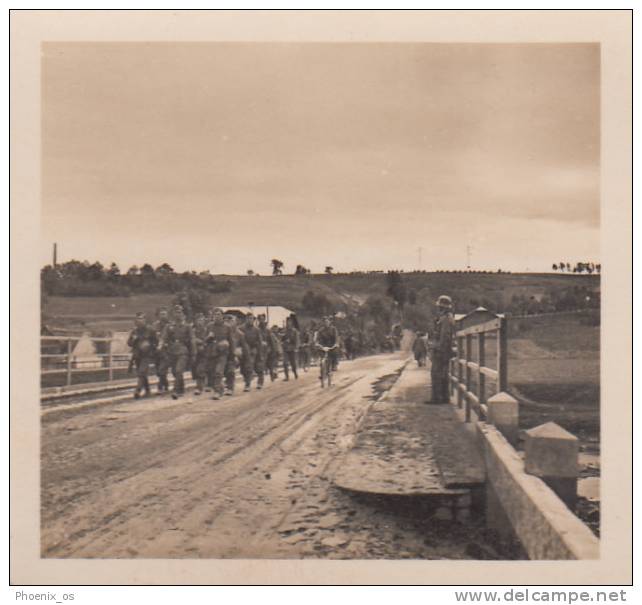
(482, 347)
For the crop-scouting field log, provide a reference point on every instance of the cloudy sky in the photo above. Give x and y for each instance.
(223, 156)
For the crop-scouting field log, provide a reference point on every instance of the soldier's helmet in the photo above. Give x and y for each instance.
(445, 302)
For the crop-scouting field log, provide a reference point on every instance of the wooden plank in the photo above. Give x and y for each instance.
(489, 373)
(487, 326)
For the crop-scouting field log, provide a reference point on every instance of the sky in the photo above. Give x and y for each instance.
(222, 156)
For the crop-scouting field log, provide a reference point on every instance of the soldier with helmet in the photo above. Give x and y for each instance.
(178, 337)
(143, 341)
(235, 355)
(441, 348)
(162, 356)
(200, 358)
(253, 362)
(220, 346)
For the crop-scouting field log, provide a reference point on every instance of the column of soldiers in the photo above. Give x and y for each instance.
(215, 346)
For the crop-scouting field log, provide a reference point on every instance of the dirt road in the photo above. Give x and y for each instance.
(247, 477)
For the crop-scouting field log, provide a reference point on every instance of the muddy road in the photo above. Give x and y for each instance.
(245, 477)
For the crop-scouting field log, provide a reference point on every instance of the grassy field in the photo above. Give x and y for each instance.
(554, 370)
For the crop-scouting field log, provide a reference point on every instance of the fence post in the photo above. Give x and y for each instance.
(460, 372)
(469, 340)
(481, 385)
(502, 355)
(110, 359)
(68, 361)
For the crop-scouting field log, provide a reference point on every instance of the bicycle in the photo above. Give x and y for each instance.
(325, 365)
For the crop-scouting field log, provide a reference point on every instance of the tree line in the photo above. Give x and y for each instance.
(82, 278)
(578, 267)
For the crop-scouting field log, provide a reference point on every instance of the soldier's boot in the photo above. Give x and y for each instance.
(146, 386)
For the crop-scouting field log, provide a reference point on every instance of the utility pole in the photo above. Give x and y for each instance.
(55, 255)
(468, 254)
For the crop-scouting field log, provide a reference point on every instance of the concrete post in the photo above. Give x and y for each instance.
(503, 412)
(551, 453)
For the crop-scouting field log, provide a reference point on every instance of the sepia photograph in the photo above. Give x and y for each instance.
(320, 300)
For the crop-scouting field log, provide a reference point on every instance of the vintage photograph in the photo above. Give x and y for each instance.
(320, 300)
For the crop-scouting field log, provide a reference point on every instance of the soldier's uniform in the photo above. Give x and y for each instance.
(268, 347)
(179, 339)
(253, 362)
(200, 359)
(220, 346)
(143, 342)
(162, 356)
(304, 350)
(442, 351)
(235, 358)
(291, 342)
(275, 353)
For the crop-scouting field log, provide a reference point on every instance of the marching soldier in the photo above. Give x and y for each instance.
(162, 355)
(441, 349)
(269, 346)
(143, 341)
(178, 337)
(291, 343)
(199, 362)
(220, 346)
(254, 361)
(272, 361)
(304, 349)
(236, 354)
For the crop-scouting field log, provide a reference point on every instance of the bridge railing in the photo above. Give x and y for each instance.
(59, 363)
(480, 367)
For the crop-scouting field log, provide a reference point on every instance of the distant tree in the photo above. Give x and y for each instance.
(164, 270)
(113, 273)
(301, 270)
(554, 267)
(277, 266)
(329, 270)
(250, 272)
(133, 270)
(95, 272)
(396, 288)
(147, 270)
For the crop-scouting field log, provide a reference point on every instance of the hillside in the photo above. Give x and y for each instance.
(495, 291)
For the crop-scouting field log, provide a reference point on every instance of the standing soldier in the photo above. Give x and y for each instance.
(178, 337)
(253, 361)
(162, 355)
(291, 343)
(441, 349)
(199, 362)
(220, 345)
(143, 341)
